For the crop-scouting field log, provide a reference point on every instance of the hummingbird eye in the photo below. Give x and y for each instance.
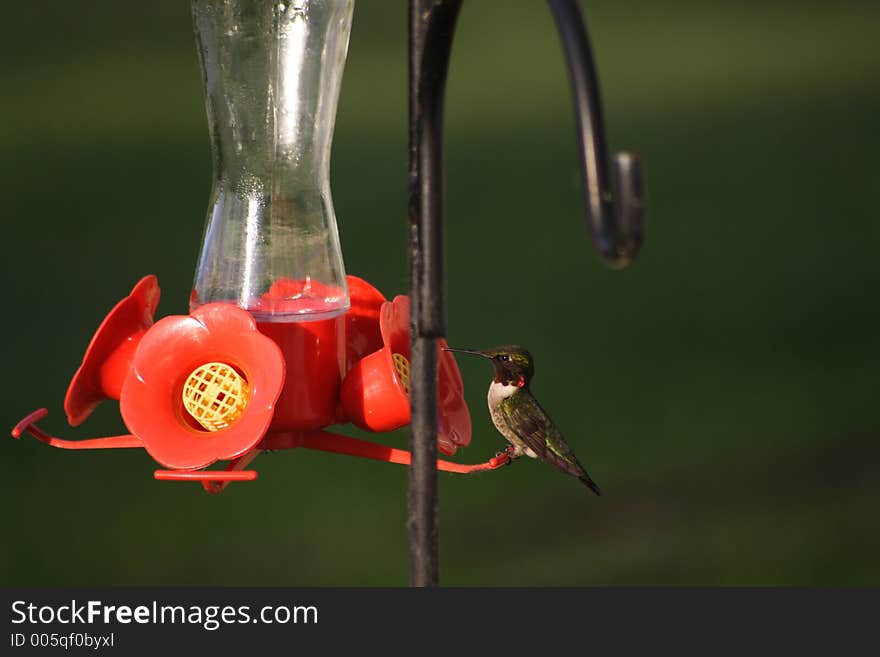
(505, 357)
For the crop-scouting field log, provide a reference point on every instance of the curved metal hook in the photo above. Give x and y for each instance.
(616, 225)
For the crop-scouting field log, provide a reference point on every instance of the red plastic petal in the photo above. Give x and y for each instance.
(362, 335)
(107, 357)
(151, 395)
(454, 420)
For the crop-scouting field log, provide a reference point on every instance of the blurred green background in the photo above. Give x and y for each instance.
(723, 390)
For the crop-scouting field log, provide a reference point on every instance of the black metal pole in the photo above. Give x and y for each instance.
(431, 27)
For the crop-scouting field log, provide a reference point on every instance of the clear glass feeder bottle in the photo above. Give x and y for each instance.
(272, 73)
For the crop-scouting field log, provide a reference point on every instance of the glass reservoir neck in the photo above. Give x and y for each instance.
(272, 73)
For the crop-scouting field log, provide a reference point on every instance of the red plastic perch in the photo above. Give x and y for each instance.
(28, 425)
(215, 480)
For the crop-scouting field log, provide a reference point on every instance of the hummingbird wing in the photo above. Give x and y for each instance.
(525, 418)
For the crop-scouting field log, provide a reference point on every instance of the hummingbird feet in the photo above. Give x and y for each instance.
(510, 452)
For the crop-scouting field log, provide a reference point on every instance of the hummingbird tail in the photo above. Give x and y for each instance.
(589, 483)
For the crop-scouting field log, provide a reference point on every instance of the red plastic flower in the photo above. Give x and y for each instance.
(375, 393)
(151, 401)
(108, 357)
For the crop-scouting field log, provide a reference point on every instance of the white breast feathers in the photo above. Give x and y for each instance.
(499, 391)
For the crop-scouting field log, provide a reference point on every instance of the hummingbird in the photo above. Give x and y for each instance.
(519, 417)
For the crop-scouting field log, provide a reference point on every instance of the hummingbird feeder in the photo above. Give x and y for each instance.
(280, 343)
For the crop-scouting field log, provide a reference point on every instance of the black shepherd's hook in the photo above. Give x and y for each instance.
(616, 226)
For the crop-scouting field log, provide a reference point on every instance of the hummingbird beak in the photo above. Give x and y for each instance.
(475, 352)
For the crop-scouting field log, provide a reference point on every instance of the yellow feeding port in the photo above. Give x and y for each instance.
(401, 364)
(215, 395)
